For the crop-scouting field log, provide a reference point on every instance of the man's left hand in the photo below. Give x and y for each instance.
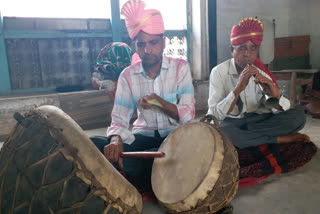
(168, 108)
(143, 101)
(272, 89)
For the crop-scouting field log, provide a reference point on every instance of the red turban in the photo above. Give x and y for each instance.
(248, 29)
(137, 18)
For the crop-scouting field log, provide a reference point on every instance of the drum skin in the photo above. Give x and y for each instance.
(200, 170)
(49, 165)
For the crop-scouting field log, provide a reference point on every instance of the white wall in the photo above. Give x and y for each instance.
(292, 18)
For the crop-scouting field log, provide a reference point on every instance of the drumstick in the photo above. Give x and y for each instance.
(142, 154)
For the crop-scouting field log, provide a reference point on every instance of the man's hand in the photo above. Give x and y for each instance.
(168, 108)
(244, 77)
(269, 87)
(143, 101)
(113, 150)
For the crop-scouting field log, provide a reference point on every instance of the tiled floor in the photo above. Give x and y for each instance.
(297, 192)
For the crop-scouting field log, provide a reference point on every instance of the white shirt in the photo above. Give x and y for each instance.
(223, 79)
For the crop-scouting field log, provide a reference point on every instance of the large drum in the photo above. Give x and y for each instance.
(48, 165)
(199, 172)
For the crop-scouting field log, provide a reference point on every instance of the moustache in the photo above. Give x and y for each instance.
(149, 56)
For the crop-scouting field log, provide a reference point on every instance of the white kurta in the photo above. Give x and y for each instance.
(223, 80)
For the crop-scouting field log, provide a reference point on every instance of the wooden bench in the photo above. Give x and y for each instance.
(298, 77)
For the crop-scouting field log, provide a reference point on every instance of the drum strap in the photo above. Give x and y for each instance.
(156, 133)
(239, 104)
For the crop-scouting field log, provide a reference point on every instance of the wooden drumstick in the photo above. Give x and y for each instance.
(142, 154)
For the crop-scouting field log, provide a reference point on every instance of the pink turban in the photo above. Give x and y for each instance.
(137, 18)
(248, 29)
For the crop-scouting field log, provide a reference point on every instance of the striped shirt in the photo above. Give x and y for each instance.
(173, 84)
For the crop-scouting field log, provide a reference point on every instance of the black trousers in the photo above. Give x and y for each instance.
(256, 129)
(137, 170)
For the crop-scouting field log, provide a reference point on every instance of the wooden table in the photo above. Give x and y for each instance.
(293, 75)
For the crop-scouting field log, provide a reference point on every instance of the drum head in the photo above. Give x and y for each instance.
(189, 153)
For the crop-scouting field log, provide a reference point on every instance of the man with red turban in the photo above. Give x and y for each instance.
(236, 98)
(158, 87)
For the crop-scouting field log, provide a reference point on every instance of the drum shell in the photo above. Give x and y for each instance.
(49, 165)
(223, 190)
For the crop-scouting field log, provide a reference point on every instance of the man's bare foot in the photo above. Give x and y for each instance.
(295, 138)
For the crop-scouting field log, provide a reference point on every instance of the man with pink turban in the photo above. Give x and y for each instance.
(236, 99)
(160, 89)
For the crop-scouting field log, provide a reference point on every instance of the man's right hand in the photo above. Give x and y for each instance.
(244, 77)
(113, 150)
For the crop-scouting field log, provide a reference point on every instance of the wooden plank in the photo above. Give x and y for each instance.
(293, 89)
(90, 109)
(282, 76)
(302, 62)
(287, 47)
